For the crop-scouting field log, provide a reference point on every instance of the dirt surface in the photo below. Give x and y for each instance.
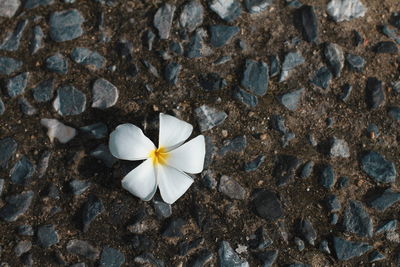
(266, 33)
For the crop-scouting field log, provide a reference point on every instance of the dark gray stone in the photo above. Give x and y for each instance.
(212, 81)
(374, 93)
(150, 67)
(285, 169)
(346, 250)
(324, 247)
(327, 177)
(69, 101)
(44, 91)
(373, 131)
(339, 148)
(356, 219)
(111, 257)
(147, 259)
(384, 200)
(29, 4)
(9, 7)
(388, 226)
(25, 230)
(8, 147)
(278, 124)
(222, 34)
(255, 77)
(291, 100)
(1, 186)
(66, 25)
(256, 6)
(309, 23)
(162, 209)
(341, 10)
(47, 236)
(83, 248)
(97, 130)
(378, 168)
(208, 179)
(227, 10)
(194, 49)
(299, 244)
(307, 169)
(267, 257)
(394, 113)
(124, 48)
(355, 62)
(248, 99)
(57, 63)
(237, 144)
(275, 65)
(228, 258)
(92, 208)
(174, 228)
(105, 94)
(395, 19)
(332, 203)
(9, 65)
(78, 187)
(306, 230)
(37, 39)
(291, 61)
(260, 240)
(2, 107)
(102, 153)
(254, 164)
(16, 206)
(322, 78)
(13, 39)
(208, 117)
(88, 58)
(334, 58)
(192, 15)
(333, 218)
(16, 85)
(163, 20)
(22, 247)
(171, 72)
(22, 171)
(176, 48)
(346, 92)
(386, 47)
(201, 258)
(231, 188)
(391, 33)
(51, 191)
(267, 205)
(26, 107)
(375, 256)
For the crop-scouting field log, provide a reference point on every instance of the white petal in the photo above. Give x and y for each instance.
(128, 142)
(141, 181)
(189, 157)
(172, 183)
(173, 131)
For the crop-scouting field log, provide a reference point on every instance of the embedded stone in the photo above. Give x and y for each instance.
(9, 65)
(378, 168)
(192, 15)
(66, 25)
(346, 250)
(78, 187)
(44, 91)
(103, 153)
(57, 63)
(285, 169)
(222, 34)
(209, 117)
(248, 99)
(339, 148)
(26, 107)
(29, 4)
(309, 23)
(105, 94)
(306, 230)
(237, 144)
(9, 7)
(384, 200)
(341, 10)
(227, 10)
(47, 236)
(328, 177)
(111, 257)
(92, 208)
(394, 113)
(16, 85)
(374, 92)
(37, 39)
(13, 39)
(388, 47)
(356, 219)
(257, 6)
(2, 107)
(355, 62)
(291, 61)
(254, 164)
(163, 20)
(231, 188)
(171, 72)
(16, 206)
(255, 77)
(69, 101)
(267, 205)
(88, 58)
(228, 257)
(291, 100)
(8, 147)
(97, 130)
(322, 78)
(212, 81)
(335, 58)
(83, 248)
(22, 171)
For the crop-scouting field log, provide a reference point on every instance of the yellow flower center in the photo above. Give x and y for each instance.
(159, 156)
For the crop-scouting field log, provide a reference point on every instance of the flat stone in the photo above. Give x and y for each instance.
(57, 63)
(69, 101)
(92, 208)
(356, 219)
(267, 257)
(22, 171)
(22, 247)
(16, 85)
(222, 34)
(388, 47)
(384, 200)
(83, 248)
(105, 94)
(255, 77)
(267, 205)
(309, 23)
(97, 130)
(228, 257)
(236, 144)
(9, 7)
(212, 81)
(8, 147)
(394, 113)
(194, 49)
(78, 187)
(346, 250)
(16, 206)
(355, 62)
(171, 72)
(339, 148)
(307, 169)
(111, 257)
(66, 25)
(246, 98)
(227, 10)
(163, 20)
(257, 6)
(9, 65)
(391, 33)
(208, 117)
(341, 10)
(254, 164)
(332, 203)
(44, 91)
(26, 107)
(103, 153)
(322, 78)
(88, 58)
(306, 230)
(174, 228)
(388, 226)
(36, 39)
(291, 100)
(29, 4)
(2, 107)
(334, 58)
(374, 92)
(231, 188)
(327, 177)
(13, 39)
(58, 130)
(47, 236)
(291, 61)
(285, 169)
(378, 168)
(192, 15)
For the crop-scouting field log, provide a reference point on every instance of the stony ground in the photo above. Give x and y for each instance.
(298, 100)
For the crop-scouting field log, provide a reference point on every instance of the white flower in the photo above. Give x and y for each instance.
(164, 166)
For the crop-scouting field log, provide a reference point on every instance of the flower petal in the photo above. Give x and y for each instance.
(172, 183)
(189, 157)
(173, 132)
(128, 142)
(141, 181)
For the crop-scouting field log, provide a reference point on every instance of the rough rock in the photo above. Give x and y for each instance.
(222, 34)
(227, 10)
(309, 23)
(22, 171)
(255, 77)
(257, 6)
(2, 107)
(16, 206)
(105, 94)
(209, 117)
(69, 101)
(212, 81)
(111, 257)
(22, 247)
(171, 72)
(102, 152)
(346, 250)
(341, 10)
(16, 85)
(163, 20)
(384, 200)
(246, 98)
(44, 91)
(306, 230)
(9, 7)
(92, 208)
(322, 78)
(378, 168)
(12, 41)
(47, 236)
(231, 188)
(285, 169)
(254, 164)
(192, 15)
(29, 4)
(388, 47)
(394, 113)
(355, 62)
(174, 228)
(228, 257)
(291, 100)
(8, 147)
(388, 226)
(374, 92)
(267, 205)
(66, 25)
(267, 257)
(291, 61)
(307, 169)
(57, 63)
(37, 39)
(26, 107)
(97, 130)
(83, 248)
(91, 59)
(78, 187)
(237, 144)
(335, 58)
(356, 219)
(58, 130)
(327, 177)
(9, 65)
(339, 148)
(332, 203)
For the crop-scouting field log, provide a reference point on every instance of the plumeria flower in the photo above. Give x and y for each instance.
(164, 167)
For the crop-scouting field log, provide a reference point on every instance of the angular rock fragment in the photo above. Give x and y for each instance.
(309, 23)
(29, 4)
(16, 85)
(88, 58)
(327, 177)
(384, 200)
(43, 163)
(357, 220)
(44, 91)
(212, 81)
(8, 147)
(22, 247)
(306, 230)
(97, 130)
(254, 164)
(9, 7)
(111, 257)
(335, 58)
(341, 10)
(332, 203)
(92, 208)
(26, 107)
(339, 148)
(69, 101)
(291, 60)
(322, 78)
(37, 39)
(255, 77)
(285, 169)
(391, 33)
(163, 20)
(66, 25)
(267, 205)
(346, 250)
(222, 34)
(237, 144)
(291, 100)
(194, 49)
(1, 186)
(268, 257)
(9, 65)
(192, 15)
(227, 10)
(16, 206)
(355, 62)
(248, 99)
(201, 258)
(257, 6)
(307, 169)
(78, 187)
(103, 153)
(209, 117)
(12, 41)
(231, 188)
(388, 226)
(57, 63)
(57, 130)
(378, 168)
(83, 248)
(394, 113)
(22, 171)
(388, 47)
(171, 72)
(228, 257)
(105, 94)
(47, 236)
(374, 93)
